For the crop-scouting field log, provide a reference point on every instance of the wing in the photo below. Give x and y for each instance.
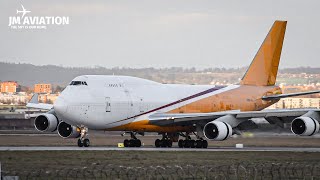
(34, 103)
(271, 115)
(23, 9)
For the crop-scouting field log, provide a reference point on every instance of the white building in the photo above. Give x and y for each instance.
(292, 103)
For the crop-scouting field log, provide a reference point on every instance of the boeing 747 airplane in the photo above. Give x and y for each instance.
(210, 112)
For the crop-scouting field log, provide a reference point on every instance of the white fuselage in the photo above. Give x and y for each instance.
(104, 102)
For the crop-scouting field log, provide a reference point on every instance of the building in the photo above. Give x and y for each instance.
(42, 88)
(294, 103)
(20, 98)
(48, 98)
(9, 87)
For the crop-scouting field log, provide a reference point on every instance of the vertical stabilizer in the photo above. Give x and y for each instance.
(264, 67)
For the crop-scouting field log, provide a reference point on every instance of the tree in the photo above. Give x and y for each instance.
(49, 101)
(58, 89)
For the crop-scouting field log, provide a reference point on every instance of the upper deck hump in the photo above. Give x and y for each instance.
(128, 80)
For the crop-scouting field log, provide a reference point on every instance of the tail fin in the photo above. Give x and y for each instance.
(264, 67)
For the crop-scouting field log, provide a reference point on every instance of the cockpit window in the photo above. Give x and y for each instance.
(77, 83)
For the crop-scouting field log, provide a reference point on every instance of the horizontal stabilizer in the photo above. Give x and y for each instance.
(279, 96)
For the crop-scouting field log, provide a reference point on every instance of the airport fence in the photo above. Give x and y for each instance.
(238, 171)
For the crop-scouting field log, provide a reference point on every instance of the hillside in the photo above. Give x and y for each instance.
(28, 74)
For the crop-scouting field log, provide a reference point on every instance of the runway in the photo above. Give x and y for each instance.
(213, 149)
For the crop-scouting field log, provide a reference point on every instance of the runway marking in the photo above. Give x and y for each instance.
(215, 149)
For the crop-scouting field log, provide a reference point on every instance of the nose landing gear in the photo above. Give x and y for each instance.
(83, 141)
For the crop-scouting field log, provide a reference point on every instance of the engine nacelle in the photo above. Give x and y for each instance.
(305, 126)
(46, 122)
(217, 130)
(66, 130)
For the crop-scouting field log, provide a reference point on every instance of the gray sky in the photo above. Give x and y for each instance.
(160, 33)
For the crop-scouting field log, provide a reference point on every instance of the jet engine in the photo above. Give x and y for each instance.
(46, 122)
(304, 126)
(217, 130)
(66, 130)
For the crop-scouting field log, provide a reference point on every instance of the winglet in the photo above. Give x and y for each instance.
(264, 67)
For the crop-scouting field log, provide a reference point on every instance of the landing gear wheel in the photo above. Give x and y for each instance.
(138, 143)
(157, 143)
(204, 144)
(86, 142)
(169, 144)
(126, 143)
(186, 143)
(80, 143)
(181, 143)
(193, 143)
(163, 143)
(132, 143)
(199, 144)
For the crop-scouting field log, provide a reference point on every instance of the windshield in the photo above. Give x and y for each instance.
(78, 83)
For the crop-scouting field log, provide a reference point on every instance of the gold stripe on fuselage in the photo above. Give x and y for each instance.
(145, 126)
(244, 98)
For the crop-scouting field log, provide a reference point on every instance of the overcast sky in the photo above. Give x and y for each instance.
(162, 33)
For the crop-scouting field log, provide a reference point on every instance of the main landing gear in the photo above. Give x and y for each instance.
(190, 143)
(83, 141)
(164, 142)
(133, 142)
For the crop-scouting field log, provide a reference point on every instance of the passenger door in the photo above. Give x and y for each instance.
(141, 106)
(108, 104)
